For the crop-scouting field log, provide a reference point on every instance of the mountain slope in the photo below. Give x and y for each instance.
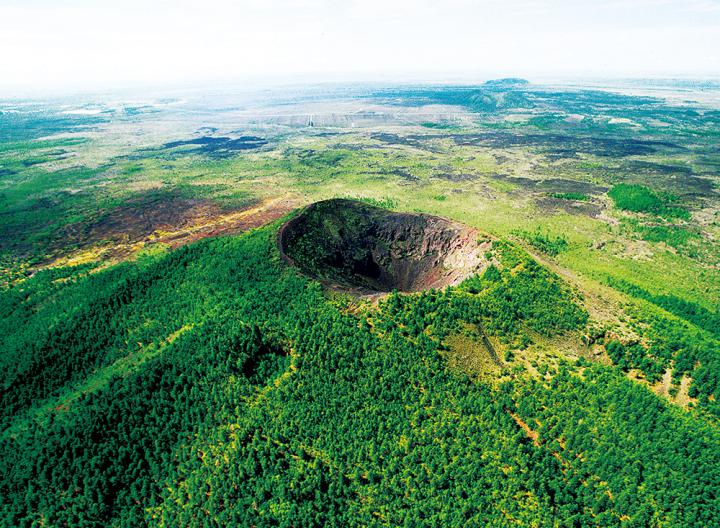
(214, 385)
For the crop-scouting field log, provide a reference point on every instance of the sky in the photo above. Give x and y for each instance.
(98, 44)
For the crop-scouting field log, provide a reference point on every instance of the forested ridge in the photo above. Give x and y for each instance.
(214, 386)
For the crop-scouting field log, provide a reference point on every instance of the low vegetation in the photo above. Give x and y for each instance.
(578, 197)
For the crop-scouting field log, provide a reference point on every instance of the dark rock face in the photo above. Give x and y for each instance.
(356, 246)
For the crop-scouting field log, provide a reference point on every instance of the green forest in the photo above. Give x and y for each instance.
(215, 386)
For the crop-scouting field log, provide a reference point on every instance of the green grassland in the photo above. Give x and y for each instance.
(575, 382)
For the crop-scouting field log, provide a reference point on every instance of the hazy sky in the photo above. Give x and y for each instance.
(99, 43)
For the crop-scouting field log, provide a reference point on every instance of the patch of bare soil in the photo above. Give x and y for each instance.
(662, 387)
(683, 397)
(122, 232)
(140, 217)
(257, 215)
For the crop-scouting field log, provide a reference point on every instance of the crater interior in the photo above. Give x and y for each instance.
(357, 246)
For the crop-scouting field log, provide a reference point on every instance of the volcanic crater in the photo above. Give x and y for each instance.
(358, 247)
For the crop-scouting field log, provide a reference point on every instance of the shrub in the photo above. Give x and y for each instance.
(640, 199)
(580, 197)
(545, 242)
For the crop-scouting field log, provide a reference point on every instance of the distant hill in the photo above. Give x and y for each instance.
(509, 82)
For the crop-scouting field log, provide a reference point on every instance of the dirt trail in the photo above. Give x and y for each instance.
(490, 347)
(532, 435)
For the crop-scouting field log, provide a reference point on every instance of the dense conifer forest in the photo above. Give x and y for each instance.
(214, 386)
